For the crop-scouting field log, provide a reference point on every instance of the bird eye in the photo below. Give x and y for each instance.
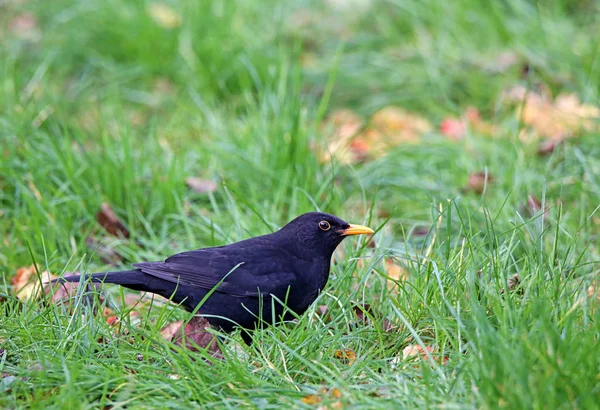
(324, 225)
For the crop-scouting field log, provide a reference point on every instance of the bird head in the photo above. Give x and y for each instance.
(322, 232)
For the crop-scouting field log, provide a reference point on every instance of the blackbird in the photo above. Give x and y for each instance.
(248, 282)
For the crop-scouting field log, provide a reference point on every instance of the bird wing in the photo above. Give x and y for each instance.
(226, 272)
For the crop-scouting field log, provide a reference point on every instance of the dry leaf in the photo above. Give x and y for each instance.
(109, 221)
(556, 120)
(548, 146)
(454, 128)
(314, 399)
(415, 351)
(340, 126)
(478, 182)
(25, 26)
(345, 356)
(311, 399)
(591, 292)
(193, 335)
(388, 127)
(513, 282)
(164, 15)
(26, 285)
(201, 186)
(533, 207)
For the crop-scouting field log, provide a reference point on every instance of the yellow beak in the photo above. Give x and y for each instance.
(356, 230)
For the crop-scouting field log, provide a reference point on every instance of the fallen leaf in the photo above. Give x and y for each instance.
(193, 336)
(311, 399)
(478, 182)
(336, 405)
(201, 186)
(360, 310)
(392, 126)
(107, 218)
(548, 146)
(591, 292)
(415, 351)
(322, 311)
(345, 356)
(25, 26)
(164, 15)
(324, 392)
(454, 128)
(556, 120)
(340, 127)
(26, 285)
(396, 273)
(350, 142)
(533, 207)
(62, 291)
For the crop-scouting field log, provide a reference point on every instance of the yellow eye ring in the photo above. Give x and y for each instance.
(324, 226)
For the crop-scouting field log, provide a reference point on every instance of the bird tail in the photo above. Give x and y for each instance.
(132, 279)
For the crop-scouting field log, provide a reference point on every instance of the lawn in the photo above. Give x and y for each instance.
(464, 132)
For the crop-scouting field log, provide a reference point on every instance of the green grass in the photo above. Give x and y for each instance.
(100, 104)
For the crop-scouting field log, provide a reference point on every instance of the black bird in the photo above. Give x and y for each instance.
(248, 281)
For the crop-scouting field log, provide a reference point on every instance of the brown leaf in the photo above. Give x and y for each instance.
(107, 255)
(514, 282)
(323, 312)
(345, 356)
(109, 221)
(193, 336)
(26, 285)
(479, 181)
(164, 15)
(201, 186)
(533, 207)
(360, 310)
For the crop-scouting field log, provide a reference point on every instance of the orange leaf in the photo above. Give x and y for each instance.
(311, 399)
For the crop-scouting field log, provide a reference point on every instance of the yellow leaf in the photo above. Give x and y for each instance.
(345, 356)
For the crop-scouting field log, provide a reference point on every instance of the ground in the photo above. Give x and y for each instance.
(464, 132)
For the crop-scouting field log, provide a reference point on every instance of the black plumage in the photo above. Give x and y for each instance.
(239, 283)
